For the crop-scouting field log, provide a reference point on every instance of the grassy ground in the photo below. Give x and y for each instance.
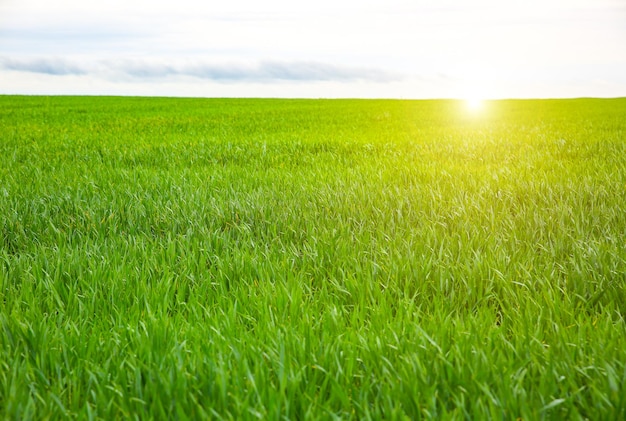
(303, 259)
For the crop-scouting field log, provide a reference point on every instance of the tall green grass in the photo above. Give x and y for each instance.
(312, 259)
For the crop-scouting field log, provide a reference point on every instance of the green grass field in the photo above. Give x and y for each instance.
(312, 259)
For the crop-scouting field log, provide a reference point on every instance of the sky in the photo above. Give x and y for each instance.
(322, 48)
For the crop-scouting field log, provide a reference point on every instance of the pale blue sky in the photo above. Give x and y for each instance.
(326, 48)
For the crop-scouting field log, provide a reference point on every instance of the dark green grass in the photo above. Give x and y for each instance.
(303, 259)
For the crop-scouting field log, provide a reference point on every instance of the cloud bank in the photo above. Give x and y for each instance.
(267, 71)
(49, 66)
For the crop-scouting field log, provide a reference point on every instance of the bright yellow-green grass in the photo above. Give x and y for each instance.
(312, 259)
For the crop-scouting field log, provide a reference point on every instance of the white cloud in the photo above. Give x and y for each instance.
(261, 72)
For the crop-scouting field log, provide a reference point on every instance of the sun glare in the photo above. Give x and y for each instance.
(474, 103)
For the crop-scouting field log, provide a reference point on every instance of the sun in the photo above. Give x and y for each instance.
(474, 103)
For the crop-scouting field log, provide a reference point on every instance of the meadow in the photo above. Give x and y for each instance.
(312, 259)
